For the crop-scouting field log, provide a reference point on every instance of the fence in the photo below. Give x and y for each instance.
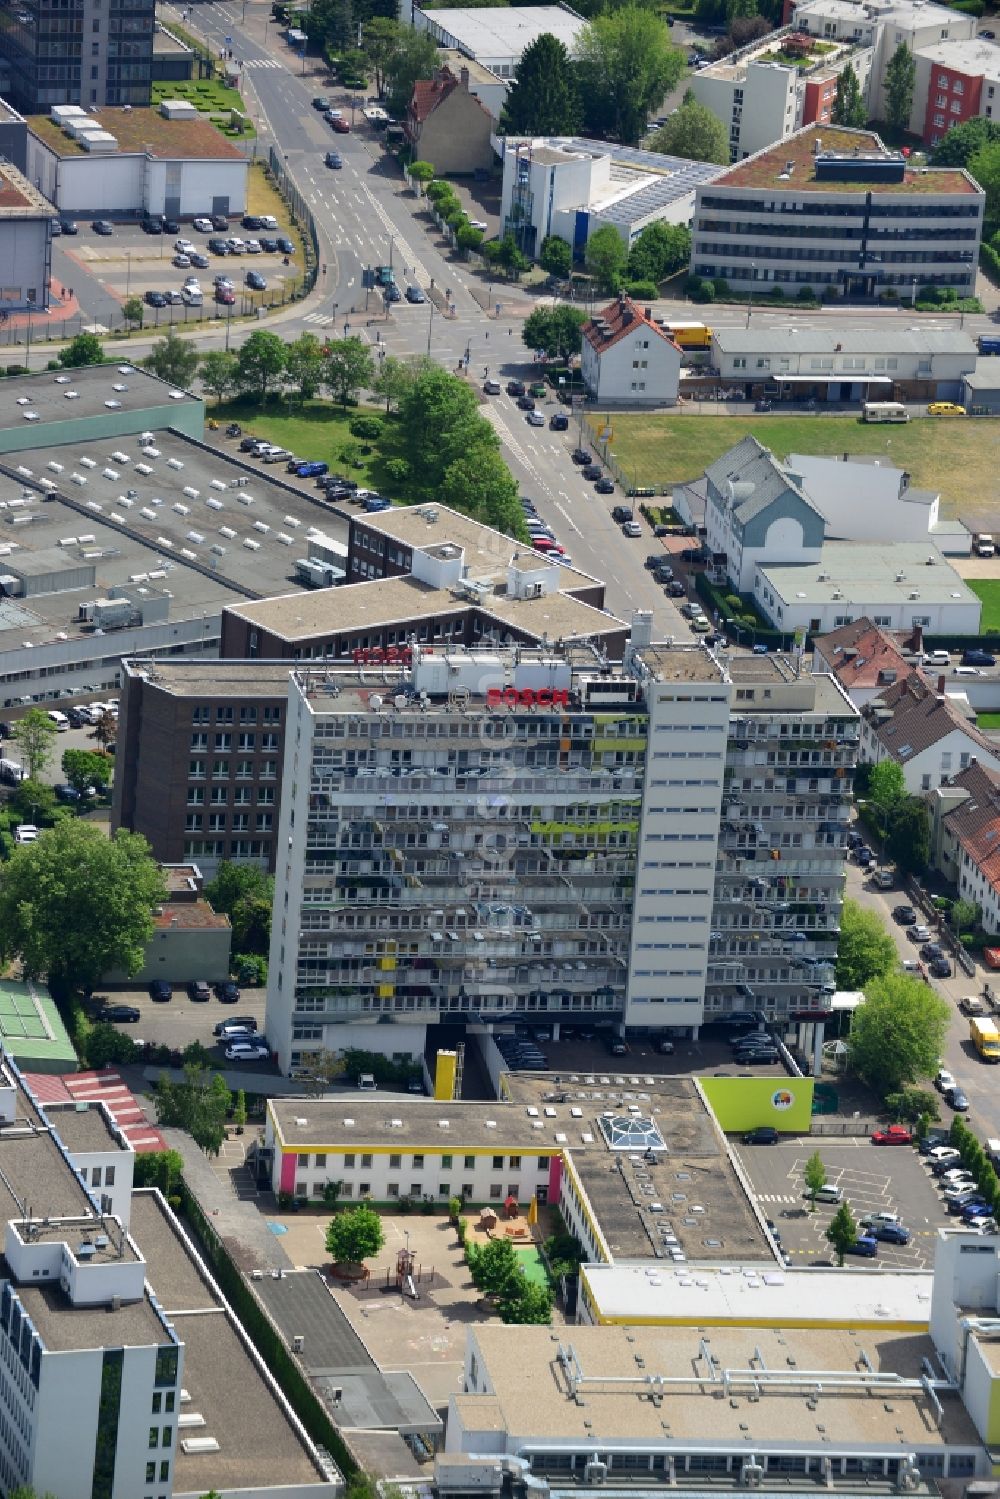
(840, 1127)
(301, 211)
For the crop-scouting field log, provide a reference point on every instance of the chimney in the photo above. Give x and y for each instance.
(918, 638)
(940, 686)
(648, 312)
(464, 75)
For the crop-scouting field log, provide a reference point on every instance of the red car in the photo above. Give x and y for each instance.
(223, 297)
(342, 127)
(895, 1134)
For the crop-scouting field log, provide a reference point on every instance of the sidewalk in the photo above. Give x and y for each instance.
(237, 1219)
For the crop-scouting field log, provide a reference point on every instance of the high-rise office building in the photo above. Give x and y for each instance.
(541, 833)
(79, 52)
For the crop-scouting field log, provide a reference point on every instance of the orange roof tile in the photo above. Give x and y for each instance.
(620, 316)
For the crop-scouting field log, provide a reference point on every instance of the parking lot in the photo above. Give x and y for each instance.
(711, 1053)
(181, 1021)
(872, 1179)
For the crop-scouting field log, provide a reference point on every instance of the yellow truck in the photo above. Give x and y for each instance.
(986, 1039)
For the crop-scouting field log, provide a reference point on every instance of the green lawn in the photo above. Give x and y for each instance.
(533, 1265)
(959, 458)
(988, 720)
(988, 589)
(316, 430)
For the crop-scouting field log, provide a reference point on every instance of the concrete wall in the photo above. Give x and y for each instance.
(186, 417)
(182, 954)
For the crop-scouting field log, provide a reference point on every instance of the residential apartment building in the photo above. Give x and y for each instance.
(956, 80)
(113, 1333)
(965, 840)
(767, 91)
(863, 658)
(628, 358)
(201, 742)
(80, 53)
(881, 25)
(833, 211)
(916, 724)
(543, 833)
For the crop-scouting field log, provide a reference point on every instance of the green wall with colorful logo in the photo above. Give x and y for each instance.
(741, 1103)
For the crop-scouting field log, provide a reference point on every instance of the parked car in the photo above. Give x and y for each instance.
(203, 226)
(228, 992)
(155, 299)
(69, 226)
(102, 226)
(827, 1193)
(892, 1233)
(918, 933)
(285, 245)
(119, 1014)
(976, 656)
(233, 1030)
(219, 222)
(255, 281)
(893, 1134)
(160, 991)
(199, 991)
(957, 1099)
(605, 486)
(199, 261)
(491, 387)
(904, 915)
(764, 1134)
(592, 471)
(866, 1245)
(558, 422)
(246, 1051)
(940, 968)
(945, 408)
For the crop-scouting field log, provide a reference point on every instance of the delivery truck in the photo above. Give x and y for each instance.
(985, 1038)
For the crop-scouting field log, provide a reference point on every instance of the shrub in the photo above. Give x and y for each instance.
(721, 288)
(369, 428)
(642, 289)
(397, 469)
(805, 294)
(733, 603)
(250, 968)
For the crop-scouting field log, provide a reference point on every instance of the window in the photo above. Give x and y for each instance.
(395, 1162)
(157, 1399)
(366, 1162)
(154, 1436)
(515, 1163)
(446, 1162)
(470, 1163)
(496, 1192)
(223, 741)
(165, 1471)
(349, 1162)
(151, 1472)
(418, 1163)
(444, 1189)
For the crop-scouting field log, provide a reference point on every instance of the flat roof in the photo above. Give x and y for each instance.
(63, 1326)
(501, 32)
(145, 131)
(19, 199)
(478, 72)
(642, 182)
(69, 395)
(882, 338)
(976, 56)
(363, 605)
(744, 1295)
(191, 677)
(766, 169)
(189, 915)
(687, 1190)
(532, 1389)
(681, 663)
(260, 1445)
(31, 1027)
(850, 570)
(486, 550)
(83, 1128)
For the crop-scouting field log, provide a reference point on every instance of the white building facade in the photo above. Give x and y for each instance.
(627, 358)
(845, 364)
(755, 512)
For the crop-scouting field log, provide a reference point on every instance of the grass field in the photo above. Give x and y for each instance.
(988, 720)
(317, 430)
(988, 589)
(957, 458)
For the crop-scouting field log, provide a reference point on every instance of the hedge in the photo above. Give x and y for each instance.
(989, 259)
(716, 600)
(269, 1343)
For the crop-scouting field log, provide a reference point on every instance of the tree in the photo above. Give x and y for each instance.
(556, 331)
(507, 254)
(900, 76)
(694, 132)
(913, 1104)
(494, 1267)
(909, 842)
(985, 168)
(849, 106)
(304, 365)
(77, 903)
(34, 735)
(886, 789)
(260, 363)
(480, 484)
(526, 1302)
(84, 769)
(626, 66)
(199, 1105)
(543, 98)
(34, 801)
(105, 730)
(107, 1047)
(321, 1068)
(85, 348)
(556, 257)
(843, 1231)
(251, 922)
(865, 950)
(393, 380)
(468, 238)
(219, 373)
(354, 1236)
(240, 1111)
(379, 41)
(173, 359)
(606, 257)
(898, 1034)
(234, 881)
(961, 143)
(158, 1168)
(133, 310)
(348, 368)
(658, 251)
(439, 422)
(420, 171)
(965, 915)
(814, 1176)
(414, 57)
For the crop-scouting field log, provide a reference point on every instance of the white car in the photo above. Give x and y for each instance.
(252, 247)
(959, 1189)
(268, 221)
(234, 245)
(943, 1153)
(944, 1080)
(203, 226)
(880, 1220)
(26, 832)
(632, 528)
(246, 1051)
(185, 247)
(478, 224)
(192, 297)
(536, 419)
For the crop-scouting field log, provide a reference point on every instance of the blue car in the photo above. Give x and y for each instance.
(866, 1246)
(974, 1210)
(312, 470)
(892, 1233)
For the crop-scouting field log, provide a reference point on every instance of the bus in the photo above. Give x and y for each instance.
(884, 411)
(688, 336)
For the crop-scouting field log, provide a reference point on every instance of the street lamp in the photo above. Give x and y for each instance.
(753, 277)
(27, 357)
(229, 322)
(128, 273)
(430, 326)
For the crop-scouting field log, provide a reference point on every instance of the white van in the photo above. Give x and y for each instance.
(59, 719)
(366, 1082)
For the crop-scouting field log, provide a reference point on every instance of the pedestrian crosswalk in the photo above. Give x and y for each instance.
(775, 1197)
(261, 62)
(321, 319)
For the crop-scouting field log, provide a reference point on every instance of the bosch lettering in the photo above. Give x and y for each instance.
(527, 697)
